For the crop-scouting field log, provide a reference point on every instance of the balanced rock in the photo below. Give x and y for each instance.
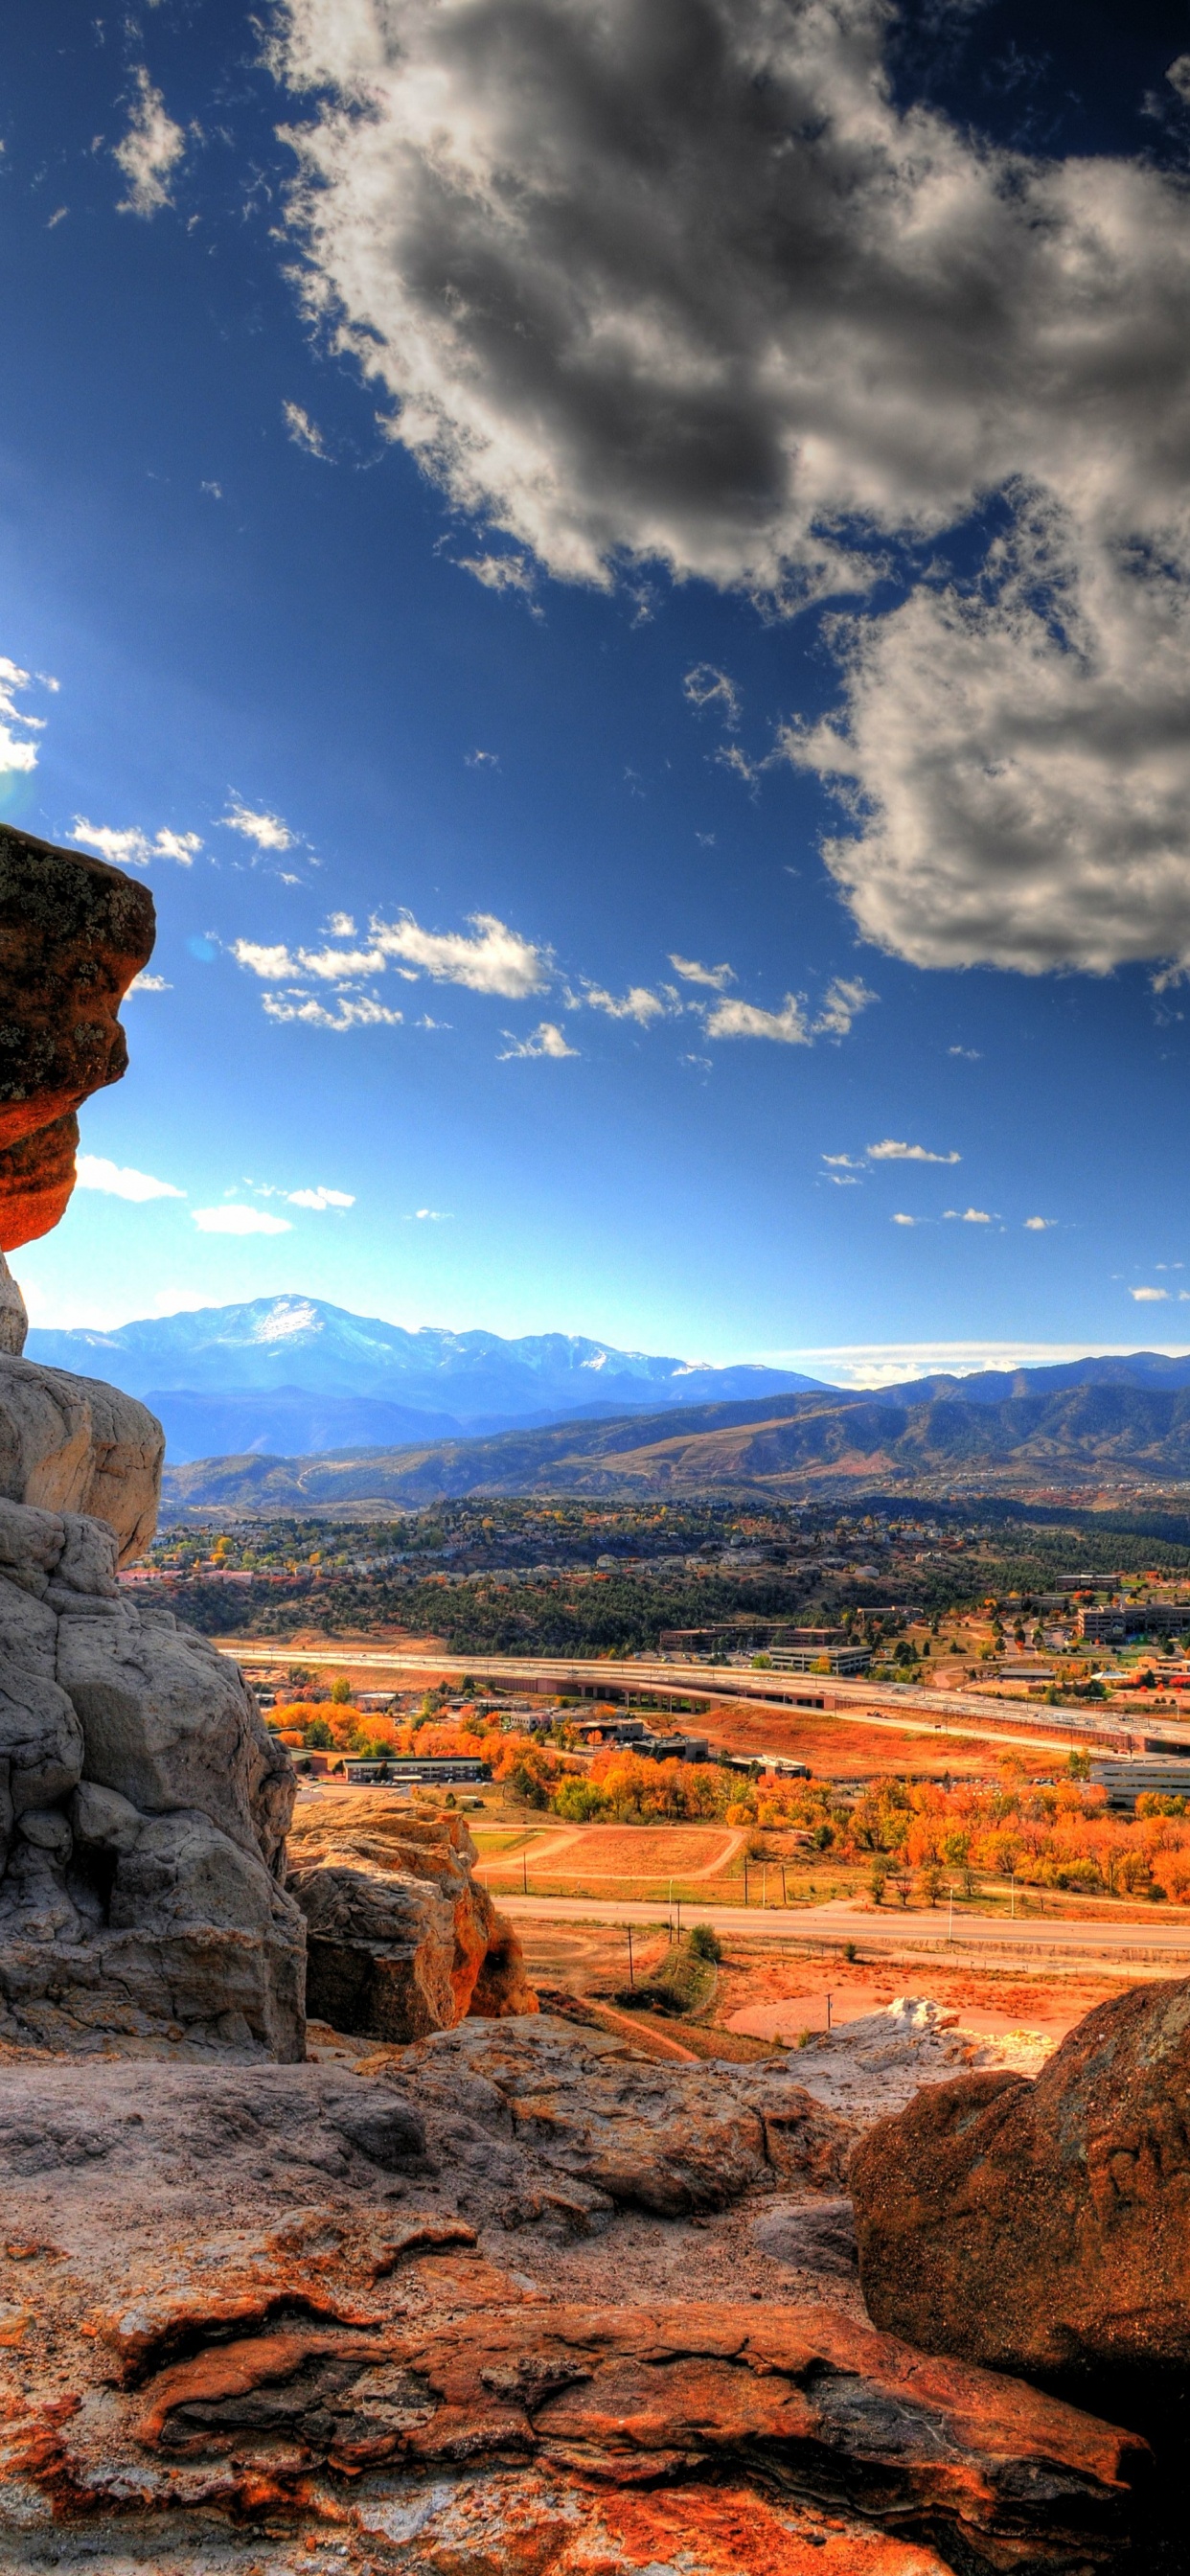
(402, 1939)
(1043, 2226)
(73, 933)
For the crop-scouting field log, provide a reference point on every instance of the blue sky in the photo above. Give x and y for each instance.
(625, 580)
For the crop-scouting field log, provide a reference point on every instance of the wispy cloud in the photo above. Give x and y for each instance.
(319, 1200)
(131, 848)
(707, 686)
(237, 1219)
(639, 1004)
(843, 1001)
(358, 1011)
(304, 432)
(969, 1216)
(150, 151)
(547, 1039)
(499, 572)
(716, 978)
(121, 1181)
(429, 1216)
(18, 752)
(891, 1150)
(266, 830)
(143, 983)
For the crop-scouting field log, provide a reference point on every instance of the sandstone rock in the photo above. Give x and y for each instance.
(810, 2235)
(73, 933)
(402, 1939)
(14, 1320)
(1044, 2226)
(71, 1444)
(167, 1721)
(670, 2139)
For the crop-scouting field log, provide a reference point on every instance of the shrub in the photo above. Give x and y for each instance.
(704, 1944)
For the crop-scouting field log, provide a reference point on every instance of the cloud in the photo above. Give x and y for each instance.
(274, 965)
(968, 1216)
(845, 1162)
(496, 960)
(736, 1019)
(267, 830)
(1039, 1224)
(970, 1055)
(358, 1012)
(715, 977)
(637, 1004)
(904, 1220)
(151, 149)
(499, 572)
(705, 686)
(304, 433)
(143, 983)
(547, 1039)
(1149, 1296)
(844, 999)
(240, 1220)
(701, 287)
(891, 1151)
(117, 1181)
(319, 1200)
(18, 753)
(132, 848)
(429, 1216)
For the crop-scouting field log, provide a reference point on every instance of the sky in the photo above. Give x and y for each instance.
(624, 575)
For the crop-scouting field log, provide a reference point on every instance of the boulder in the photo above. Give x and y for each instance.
(14, 1320)
(1043, 2226)
(73, 933)
(402, 1938)
(72, 1444)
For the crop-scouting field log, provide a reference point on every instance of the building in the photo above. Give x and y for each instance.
(395, 1768)
(1124, 1780)
(1134, 1619)
(815, 1659)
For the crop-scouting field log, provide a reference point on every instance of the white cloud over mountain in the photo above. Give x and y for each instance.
(121, 1180)
(690, 286)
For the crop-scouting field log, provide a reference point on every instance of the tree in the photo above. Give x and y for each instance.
(878, 1880)
(318, 1735)
(340, 1691)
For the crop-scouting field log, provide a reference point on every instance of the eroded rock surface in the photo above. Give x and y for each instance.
(73, 933)
(1044, 2226)
(402, 1939)
(72, 1444)
(142, 1815)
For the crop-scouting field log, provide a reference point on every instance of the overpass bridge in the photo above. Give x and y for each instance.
(903, 1708)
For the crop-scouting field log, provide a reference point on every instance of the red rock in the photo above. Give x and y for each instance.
(73, 933)
(1043, 2227)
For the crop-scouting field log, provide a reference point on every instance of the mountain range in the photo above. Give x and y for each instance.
(928, 1438)
(294, 1375)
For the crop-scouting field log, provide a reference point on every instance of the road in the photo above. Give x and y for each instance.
(987, 1936)
(918, 1712)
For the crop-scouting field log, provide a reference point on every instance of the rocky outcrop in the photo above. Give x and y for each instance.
(142, 1815)
(402, 1939)
(669, 2139)
(72, 1444)
(1044, 2226)
(73, 933)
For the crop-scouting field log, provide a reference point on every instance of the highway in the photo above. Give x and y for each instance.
(901, 1707)
(993, 1938)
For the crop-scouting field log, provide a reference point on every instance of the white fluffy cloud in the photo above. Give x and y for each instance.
(716, 978)
(1149, 1296)
(319, 1200)
(234, 1219)
(638, 1003)
(494, 960)
(150, 151)
(731, 1018)
(121, 1181)
(18, 749)
(968, 1216)
(132, 848)
(358, 1011)
(143, 983)
(692, 286)
(547, 1039)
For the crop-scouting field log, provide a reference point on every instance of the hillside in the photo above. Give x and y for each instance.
(803, 1443)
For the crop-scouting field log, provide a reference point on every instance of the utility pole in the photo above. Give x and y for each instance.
(631, 1976)
(950, 1917)
(745, 1882)
(784, 1898)
(828, 2013)
(525, 1869)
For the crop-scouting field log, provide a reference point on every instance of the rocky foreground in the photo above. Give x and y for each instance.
(455, 2285)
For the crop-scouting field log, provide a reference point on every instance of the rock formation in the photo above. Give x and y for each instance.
(401, 1938)
(276, 2302)
(73, 933)
(1044, 2226)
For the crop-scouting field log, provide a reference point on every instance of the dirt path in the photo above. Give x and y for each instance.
(536, 1853)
